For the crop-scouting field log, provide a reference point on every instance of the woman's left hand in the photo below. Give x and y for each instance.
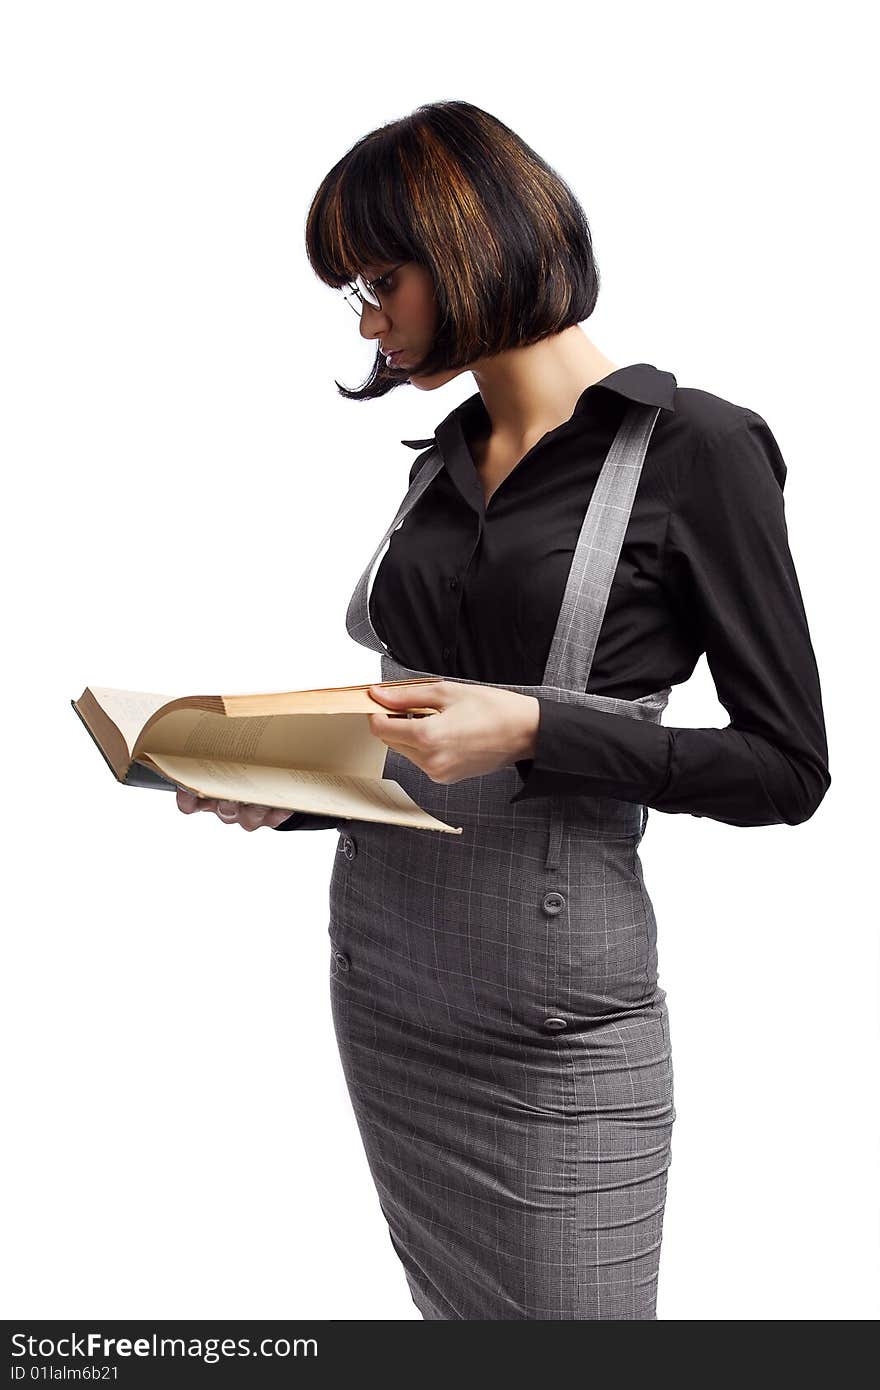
(477, 730)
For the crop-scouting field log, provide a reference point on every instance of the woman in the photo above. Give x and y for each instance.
(575, 535)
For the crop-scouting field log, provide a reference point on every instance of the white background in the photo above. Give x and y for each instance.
(189, 503)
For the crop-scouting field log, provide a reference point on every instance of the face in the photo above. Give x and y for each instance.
(407, 319)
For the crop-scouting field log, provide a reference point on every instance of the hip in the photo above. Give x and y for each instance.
(477, 930)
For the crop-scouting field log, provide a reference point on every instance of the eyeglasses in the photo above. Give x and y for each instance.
(361, 291)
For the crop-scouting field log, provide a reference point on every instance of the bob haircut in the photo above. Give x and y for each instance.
(454, 189)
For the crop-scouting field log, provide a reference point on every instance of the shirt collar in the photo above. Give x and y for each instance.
(637, 382)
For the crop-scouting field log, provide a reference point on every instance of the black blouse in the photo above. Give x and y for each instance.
(465, 589)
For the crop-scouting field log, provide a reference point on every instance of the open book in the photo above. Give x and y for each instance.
(298, 750)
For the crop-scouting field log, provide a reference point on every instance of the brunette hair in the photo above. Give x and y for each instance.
(456, 190)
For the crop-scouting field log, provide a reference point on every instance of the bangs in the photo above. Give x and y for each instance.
(358, 219)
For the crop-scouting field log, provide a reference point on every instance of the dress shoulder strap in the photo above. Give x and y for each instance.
(597, 552)
(357, 618)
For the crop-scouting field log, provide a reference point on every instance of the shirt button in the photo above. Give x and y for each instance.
(554, 1025)
(553, 904)
(453, 583)
(447, 653)
(349, 848)
(342, 960)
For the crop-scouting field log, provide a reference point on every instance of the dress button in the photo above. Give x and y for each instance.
(555, 1025)
(553, 903)
(349, 848)
(342, 960)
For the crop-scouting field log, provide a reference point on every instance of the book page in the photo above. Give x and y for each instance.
(292, 789)
(128, 709)
(332, 699)
(311, 742)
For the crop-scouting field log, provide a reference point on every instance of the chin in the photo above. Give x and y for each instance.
(434, 380)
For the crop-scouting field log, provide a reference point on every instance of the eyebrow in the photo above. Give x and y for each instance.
(381, 273)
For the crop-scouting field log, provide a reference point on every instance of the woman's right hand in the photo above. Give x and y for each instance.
(231, 812)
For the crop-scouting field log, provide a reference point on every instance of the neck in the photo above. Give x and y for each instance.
(529, 390)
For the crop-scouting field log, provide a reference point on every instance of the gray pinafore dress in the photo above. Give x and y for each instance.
(495, 1000)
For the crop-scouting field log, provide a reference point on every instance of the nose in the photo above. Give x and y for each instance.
(374, 322)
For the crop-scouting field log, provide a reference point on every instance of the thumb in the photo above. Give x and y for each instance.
(405, 696)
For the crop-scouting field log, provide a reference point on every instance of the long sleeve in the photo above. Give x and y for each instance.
(732, 578)
(303, 820)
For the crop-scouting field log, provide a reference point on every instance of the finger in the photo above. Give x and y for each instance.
(193, 802)
(402, 734)
(399, 697)
(228, 811)
(252, 817)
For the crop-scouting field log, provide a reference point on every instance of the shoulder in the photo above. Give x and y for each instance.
(706, 416)
(721, 439)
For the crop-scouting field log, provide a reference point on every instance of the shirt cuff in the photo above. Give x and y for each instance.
(303, 820)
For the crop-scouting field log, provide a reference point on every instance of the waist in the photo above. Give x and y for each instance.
(649, 706)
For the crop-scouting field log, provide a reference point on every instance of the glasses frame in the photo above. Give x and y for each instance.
(354, 292)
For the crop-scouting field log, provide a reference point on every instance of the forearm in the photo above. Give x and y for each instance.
(730, 775)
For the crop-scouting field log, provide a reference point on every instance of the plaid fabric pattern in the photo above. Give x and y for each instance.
(495, 999)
